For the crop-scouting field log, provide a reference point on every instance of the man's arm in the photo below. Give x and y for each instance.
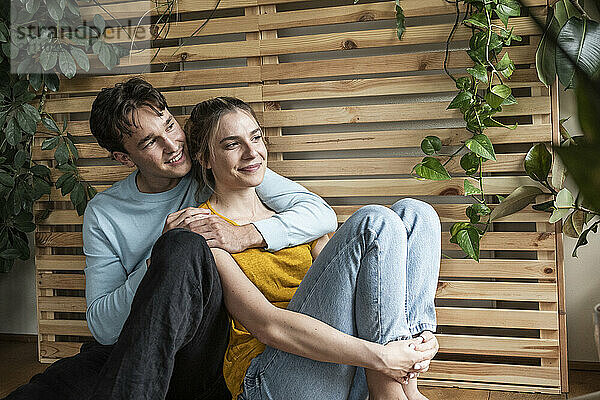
(308, 337)
(109, 290)
(301, 216)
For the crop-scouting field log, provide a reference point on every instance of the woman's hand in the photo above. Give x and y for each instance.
(404, 357)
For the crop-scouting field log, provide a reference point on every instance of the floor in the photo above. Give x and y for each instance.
(18, 362)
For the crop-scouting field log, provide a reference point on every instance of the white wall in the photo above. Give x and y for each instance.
(582, 274)
(17, 299)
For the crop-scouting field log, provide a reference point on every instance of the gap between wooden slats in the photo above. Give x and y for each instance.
(450, 268)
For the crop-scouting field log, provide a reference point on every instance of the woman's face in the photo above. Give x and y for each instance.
(239, 159)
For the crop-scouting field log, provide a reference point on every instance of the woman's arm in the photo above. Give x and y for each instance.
(306, 336)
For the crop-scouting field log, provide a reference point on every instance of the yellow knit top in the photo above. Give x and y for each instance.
(277, 275)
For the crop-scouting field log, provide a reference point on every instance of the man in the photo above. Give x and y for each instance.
(153, 306)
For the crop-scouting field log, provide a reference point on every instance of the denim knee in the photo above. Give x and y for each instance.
(419, 212)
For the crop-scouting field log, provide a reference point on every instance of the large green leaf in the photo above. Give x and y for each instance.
(580, 43)
(67, 64)
(431, 145)
(470, 189)
(470, 162)
(538, 162)
(431, 168)
(482, 146)
(468, 240)
(81, 58)
(520, 198)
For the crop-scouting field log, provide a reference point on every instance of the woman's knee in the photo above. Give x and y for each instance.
(417, 210)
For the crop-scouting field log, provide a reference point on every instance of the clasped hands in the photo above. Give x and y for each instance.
(217, 232)
(405, 359)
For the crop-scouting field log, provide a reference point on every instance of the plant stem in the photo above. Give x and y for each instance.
(450, 157)
(580, 9)
(447, 53)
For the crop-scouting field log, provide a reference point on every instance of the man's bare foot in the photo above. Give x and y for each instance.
(412, 391)
(382, 387)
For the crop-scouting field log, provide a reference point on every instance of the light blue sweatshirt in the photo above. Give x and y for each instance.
(121, 224)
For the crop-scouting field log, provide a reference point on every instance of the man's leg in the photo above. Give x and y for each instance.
(72, 378)
(175, 337)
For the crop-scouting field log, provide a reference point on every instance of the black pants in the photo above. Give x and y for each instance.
(171, 346)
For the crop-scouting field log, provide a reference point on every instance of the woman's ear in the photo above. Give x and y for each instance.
(123, 158)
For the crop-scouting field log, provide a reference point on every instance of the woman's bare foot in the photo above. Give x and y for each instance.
(382, 387)
(412, 391)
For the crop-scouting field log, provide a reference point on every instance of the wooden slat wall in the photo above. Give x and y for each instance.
(345, 106)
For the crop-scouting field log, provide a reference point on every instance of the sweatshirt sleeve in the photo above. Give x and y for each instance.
(109, 290)
(301, 216)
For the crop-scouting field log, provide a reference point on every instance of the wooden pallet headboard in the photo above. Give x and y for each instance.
(345, 106)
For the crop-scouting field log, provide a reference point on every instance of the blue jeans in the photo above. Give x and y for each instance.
(375, 279)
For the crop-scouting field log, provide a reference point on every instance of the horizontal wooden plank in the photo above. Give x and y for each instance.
(539, 241)
(409, 187)
(49, 262)
(354, 140)
(189, 77)
(450, 268)
(400, 138)
(509, 291)
(447, 213)
(446, 316)
(496, 268)
(57, 350)
(497, 318)
(498, 346)
(322, 168)
(381, 166)
(402, 85)
(529, 389)
(390, 113)
(61, 281)
(63, 327)
(400, 187)
(494, 373)
(379, 38)
(392, 63)
(251, 94)
(61, 304)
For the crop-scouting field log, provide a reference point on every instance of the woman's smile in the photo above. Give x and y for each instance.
(251, 167)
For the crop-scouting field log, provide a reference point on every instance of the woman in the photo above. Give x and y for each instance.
(326, 307)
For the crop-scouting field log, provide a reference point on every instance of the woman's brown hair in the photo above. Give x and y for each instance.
(201, 127)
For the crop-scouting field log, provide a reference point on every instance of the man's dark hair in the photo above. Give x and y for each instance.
(114, 112)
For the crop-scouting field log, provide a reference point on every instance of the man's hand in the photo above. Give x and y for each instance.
(430, 342)
(183, 218)
(221, 234)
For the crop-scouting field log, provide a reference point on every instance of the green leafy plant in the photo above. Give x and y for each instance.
(481, 94)
(39, 45)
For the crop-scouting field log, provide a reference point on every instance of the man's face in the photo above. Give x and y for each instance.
(157, 148)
